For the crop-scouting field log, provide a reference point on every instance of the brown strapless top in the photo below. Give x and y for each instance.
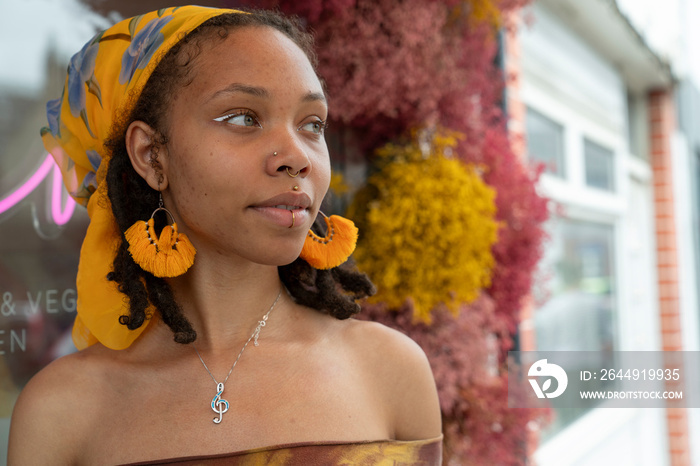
(381, 452)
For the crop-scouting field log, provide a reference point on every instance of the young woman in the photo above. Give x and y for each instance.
(211, 122)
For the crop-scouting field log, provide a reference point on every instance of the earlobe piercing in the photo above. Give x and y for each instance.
(294, 175)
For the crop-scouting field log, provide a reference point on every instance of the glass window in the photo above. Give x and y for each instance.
(41, 233)
(576, 302)
(636, 125)
(600, 170)
(41, 230)
(695, 221)
(545, 142)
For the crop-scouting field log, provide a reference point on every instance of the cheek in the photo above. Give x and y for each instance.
(209, 172)
(197, 179)
(198, 165)
(189, 177)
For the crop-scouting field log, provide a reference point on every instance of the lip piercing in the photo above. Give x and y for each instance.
(274, 153)
(295, 188)
(294, 175)
(290, 226)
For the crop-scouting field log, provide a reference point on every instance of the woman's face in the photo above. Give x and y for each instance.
(252, 95)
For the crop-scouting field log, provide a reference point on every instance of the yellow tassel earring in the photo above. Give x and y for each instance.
(333, 249)
(169, 255)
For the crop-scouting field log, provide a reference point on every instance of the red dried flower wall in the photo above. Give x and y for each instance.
(394, 65)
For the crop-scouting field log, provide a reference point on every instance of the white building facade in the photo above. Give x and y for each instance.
(606, 114)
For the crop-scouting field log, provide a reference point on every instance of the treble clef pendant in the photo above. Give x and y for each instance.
(218, 404)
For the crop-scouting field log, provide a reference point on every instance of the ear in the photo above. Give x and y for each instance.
(147, 160)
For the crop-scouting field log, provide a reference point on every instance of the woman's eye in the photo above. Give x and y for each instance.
(316, 127)
(239, 119)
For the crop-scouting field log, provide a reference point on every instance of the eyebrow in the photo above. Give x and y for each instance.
(256, 91)
(241, 88)
(314, 97)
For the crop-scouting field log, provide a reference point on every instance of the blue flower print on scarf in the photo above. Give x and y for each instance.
(89, 183)
(53, 115)
(81, 80)
(94, 158)
(80, 71)
(88, 186)
(90, 180)
(143, 45)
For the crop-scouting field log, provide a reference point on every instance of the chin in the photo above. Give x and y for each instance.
(280, 259)
(287, 261)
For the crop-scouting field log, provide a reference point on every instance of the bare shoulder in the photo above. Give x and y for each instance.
(380, 343)
(398, 370)
(45, 428)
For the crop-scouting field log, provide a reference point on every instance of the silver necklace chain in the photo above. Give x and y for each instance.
(218, 404)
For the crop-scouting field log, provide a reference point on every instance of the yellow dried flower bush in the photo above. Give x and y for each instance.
(478, 12)
(427, 226)
(486, 11)
(337, 184)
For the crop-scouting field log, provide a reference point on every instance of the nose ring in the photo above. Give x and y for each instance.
(290, 226)
(294, 175)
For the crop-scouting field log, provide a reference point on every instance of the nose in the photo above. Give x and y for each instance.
(289, 157)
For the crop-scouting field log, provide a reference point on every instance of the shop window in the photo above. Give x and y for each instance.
(576, 302)
(600, 166)
(545, 142)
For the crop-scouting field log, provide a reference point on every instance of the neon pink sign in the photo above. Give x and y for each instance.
(59, 214)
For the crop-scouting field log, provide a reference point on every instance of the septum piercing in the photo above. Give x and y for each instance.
(290, 173)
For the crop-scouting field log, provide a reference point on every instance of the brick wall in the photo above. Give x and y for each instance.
(661, 110)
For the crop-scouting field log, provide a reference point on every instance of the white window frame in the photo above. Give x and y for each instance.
(583, 203)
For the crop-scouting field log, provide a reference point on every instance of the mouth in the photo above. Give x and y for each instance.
(284, 215)
(286, 210)
(287, 207)
(287, 201)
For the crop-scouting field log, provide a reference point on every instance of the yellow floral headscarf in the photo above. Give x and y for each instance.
(104, 81)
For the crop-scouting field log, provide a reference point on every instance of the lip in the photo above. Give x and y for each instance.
(300, 200)
(272, 211)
